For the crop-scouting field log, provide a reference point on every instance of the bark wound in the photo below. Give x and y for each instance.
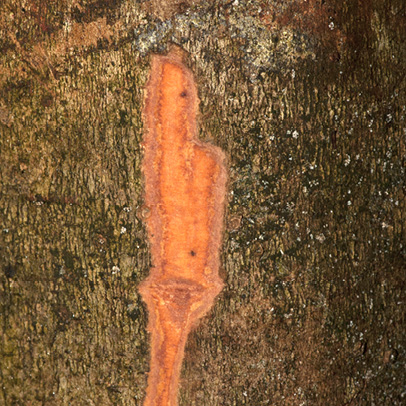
(185, 183)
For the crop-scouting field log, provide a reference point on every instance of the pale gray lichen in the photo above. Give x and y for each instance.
(151, 37)
(263, 49)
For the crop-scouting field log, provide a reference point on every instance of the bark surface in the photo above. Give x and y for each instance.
(307, 99)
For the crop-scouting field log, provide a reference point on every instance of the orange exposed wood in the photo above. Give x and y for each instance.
(184, 189)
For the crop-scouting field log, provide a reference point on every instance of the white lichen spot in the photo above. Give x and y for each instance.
(321, 238)
(115, 269)
(67, 26)
(295, 134)
(123, 230)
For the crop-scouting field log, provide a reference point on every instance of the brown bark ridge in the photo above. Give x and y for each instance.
(185, 183)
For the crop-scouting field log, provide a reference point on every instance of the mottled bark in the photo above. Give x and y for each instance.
(307, 101)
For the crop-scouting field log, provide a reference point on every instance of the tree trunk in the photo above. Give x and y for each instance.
(307, 100)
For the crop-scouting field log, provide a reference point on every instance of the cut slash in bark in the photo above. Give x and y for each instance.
(185, 182)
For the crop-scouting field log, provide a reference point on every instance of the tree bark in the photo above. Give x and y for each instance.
(308, 103)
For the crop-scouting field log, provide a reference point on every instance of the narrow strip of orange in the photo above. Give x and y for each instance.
(185, 183)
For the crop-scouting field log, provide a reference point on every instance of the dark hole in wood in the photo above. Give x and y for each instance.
(192, 253)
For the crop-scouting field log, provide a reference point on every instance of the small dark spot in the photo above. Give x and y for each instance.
(365, 348)
(10, 271)
(192, 253)
(123, 117)
(183, 94)
(46, 100)
(134, 314)
(68, 259)
(333, 137)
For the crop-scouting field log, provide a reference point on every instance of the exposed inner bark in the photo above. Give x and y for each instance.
(184, 189)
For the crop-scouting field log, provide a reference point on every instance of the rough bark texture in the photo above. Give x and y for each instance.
(308, 101)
